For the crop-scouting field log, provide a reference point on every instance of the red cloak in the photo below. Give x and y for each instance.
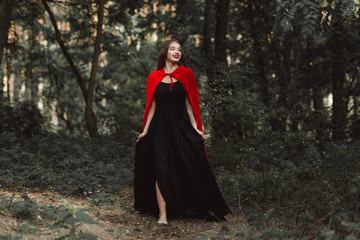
(187, 79)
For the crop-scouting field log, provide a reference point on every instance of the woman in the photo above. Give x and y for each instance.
(172, 173)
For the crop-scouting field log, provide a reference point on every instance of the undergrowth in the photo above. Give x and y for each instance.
(31, 213)
(67, 165)
(288, 187)
(296, 188)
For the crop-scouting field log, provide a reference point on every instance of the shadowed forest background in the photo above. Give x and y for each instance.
(279, 89)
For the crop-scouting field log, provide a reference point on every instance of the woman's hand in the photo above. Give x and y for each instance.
(201, 133)
(141, 135)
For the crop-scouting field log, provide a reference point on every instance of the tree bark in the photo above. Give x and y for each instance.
(182, 20)
(209, 5)
(259, 56)
(339, 107)
(317, 97)
(281, 70)
(220, 31)
(217, 81)
(80, 80)
(89, 114)
(32, 85)
(5, 12)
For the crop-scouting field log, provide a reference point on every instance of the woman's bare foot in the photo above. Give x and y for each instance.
(162, 206)
(162, 220)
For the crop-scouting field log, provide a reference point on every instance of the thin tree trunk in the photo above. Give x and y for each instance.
(217, 81)
(32, 85)
(15, 78)
(8, 75)
(281, 72)
(339, 107)
(317, 97)
(295, 101)
(220, 31)
(79, 78)
(260, 60)
(182, 16)
(5, 12)
(209, 5)
(356, 107)
(89, 114)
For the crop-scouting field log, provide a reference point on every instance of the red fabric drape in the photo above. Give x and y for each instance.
(186, 77)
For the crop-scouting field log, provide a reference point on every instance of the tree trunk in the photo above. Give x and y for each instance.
(32, 85)
(221, 121)
(259, 56)
(276, 123)
(5, 12)
(317, 97)
(182, 20)
(209, 5)
(339, 107)
(79, 78)
(89, 114)
(283, 72)
(8, 75)
(220, 30)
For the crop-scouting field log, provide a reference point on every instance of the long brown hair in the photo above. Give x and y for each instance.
(163, 54)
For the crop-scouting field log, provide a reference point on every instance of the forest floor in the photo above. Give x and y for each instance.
(117, 220)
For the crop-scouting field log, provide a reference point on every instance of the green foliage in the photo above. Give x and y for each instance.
(67, 165)
(274, 159)
(26, 209)
(70, 218)
(297, 17)
(280, 175)
(27, 229)
(296, 178)
(61, 216)
(100, 198)
(25, 119)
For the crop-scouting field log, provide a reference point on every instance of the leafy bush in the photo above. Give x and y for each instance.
(25, 119)
(26, 209)
(65, 164)
(278, 165)
(64, 217)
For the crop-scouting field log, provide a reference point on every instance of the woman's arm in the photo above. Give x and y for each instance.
(192, 117)
(148, 120)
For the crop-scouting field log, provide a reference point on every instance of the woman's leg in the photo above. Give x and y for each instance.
(161, 204)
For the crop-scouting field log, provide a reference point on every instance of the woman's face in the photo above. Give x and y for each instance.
(174, 52)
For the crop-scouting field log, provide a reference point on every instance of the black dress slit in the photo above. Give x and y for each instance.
(173, 154)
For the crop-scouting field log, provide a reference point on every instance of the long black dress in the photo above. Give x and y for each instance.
(173, 154)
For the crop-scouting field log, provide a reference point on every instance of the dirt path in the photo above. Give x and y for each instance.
(116, 221)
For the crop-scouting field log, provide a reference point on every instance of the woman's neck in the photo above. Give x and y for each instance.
(170, 66)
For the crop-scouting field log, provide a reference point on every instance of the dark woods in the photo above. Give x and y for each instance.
(279, 90)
